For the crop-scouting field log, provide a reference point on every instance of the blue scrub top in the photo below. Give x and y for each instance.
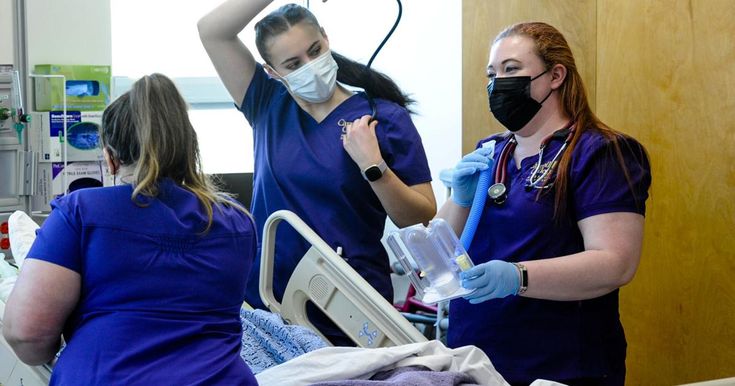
(159, 303)
(531, 338)
(301, 166)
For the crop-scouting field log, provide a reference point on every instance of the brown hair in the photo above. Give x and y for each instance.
(350, 72)
(148, 127)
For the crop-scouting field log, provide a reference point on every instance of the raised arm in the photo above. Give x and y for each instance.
(218, 31)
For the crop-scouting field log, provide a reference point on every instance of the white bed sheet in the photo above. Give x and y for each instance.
(338, 363)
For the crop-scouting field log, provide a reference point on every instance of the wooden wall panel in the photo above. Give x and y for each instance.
(666, 74)
(484, 19)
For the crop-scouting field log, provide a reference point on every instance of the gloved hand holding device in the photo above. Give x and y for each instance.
(466, 173)
(494, 279)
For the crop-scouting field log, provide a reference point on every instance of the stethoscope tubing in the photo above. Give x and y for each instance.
(499, 190)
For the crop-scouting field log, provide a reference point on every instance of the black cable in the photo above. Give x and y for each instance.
(398, 19)
(371, 102)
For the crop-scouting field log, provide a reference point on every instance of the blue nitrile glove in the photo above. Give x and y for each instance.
(494, 279)
(466, 173)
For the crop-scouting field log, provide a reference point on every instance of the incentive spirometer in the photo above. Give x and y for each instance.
(438, 256)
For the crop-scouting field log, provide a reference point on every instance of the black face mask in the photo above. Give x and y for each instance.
(511, 102)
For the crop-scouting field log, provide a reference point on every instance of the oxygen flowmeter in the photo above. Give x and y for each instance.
(12, 115)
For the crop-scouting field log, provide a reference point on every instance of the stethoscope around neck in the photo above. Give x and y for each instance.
(498, 191)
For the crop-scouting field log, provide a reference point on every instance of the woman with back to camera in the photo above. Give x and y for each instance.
(144, 279)
(317, 152)
(561, 234)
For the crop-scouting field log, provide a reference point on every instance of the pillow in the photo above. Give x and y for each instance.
(22, 232)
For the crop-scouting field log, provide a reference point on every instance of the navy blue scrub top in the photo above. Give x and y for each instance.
(530, 338)
(301, 166)
(160, 301)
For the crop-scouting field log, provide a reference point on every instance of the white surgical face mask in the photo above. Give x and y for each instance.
(315, 81)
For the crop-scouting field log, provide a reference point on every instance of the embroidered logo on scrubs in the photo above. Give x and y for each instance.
(539, 177)
(343, 124)
(370, 335)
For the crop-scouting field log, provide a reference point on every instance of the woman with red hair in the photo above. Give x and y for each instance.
(562, 229)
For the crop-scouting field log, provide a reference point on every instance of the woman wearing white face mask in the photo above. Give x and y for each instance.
(317, 153)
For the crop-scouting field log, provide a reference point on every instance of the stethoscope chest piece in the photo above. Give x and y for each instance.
(497, 193)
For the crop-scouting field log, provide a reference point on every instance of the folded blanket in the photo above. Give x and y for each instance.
(268, 341)
(339, 363)
(408, 376)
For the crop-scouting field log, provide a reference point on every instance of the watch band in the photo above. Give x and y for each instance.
(523, 275)
(374, 172)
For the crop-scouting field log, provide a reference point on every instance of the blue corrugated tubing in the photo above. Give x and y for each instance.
(478, 203)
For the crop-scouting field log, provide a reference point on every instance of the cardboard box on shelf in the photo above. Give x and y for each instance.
(47, 135)
(87, 87)
(79, 175)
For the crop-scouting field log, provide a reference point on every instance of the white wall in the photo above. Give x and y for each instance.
(6, 32)
(68, 32)
(424, 56)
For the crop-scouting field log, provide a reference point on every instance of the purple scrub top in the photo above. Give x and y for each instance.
(301, 166)
(530, 338)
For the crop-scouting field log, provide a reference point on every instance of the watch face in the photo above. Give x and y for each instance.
(373, 173)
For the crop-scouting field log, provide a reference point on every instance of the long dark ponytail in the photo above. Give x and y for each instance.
(351, 73)
(376, 84)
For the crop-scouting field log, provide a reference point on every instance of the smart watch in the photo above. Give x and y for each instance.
(523, 276)
(374, 172)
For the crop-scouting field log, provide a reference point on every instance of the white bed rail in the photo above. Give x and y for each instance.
(325, 279)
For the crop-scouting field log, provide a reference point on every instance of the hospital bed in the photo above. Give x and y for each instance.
(325, 279)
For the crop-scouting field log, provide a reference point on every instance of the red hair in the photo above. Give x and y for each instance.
(553, 49)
